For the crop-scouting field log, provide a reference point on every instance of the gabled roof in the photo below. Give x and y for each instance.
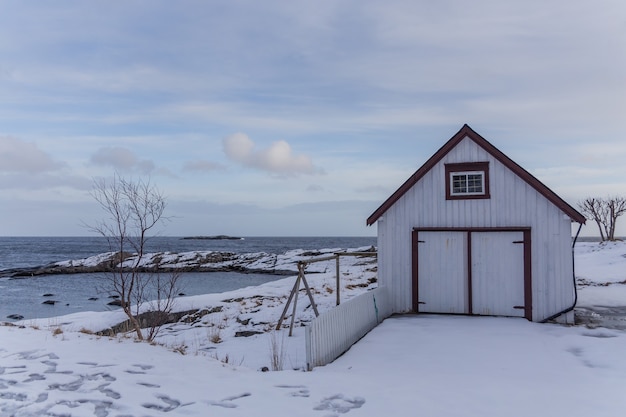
(468, 132)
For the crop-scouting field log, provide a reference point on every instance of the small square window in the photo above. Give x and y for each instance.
(467, 181)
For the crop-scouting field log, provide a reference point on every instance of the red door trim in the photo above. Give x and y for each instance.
(415, 262)
(528, 295)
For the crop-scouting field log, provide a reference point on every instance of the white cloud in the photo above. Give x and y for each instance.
(25, 157)
(122, 159)
(278, 158)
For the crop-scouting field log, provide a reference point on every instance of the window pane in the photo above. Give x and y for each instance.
(459, 184)
(474, 183)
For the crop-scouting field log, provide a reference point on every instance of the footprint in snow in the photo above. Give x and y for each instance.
(13, 396)
(105, 376)
(109, 392)
(13, 369)
(100, 407)
(52, 368)
(97, 365)
(31, 355)
(5, 383)
(228, 401)
(35, 377)
(70, 386)
(339, 404)
(172, 404)
(87, 363)
(142, 370)
(300, 390)
(148, 385)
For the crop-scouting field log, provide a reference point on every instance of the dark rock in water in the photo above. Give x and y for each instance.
(50, 302)
(247, 333)
(15, 317)
(48, 295)
(180, 294)
(115, 303)
(218, 237)
(114, 296)
(93, 298)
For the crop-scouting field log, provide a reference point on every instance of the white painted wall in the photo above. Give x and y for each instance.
(513, 203)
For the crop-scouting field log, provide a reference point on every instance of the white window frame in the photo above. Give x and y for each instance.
(467, 174)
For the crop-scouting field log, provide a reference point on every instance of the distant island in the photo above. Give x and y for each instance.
(218, 237)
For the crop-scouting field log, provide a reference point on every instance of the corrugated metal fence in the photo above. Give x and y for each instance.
(333, 332)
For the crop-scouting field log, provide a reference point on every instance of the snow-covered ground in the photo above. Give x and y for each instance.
(411, 365)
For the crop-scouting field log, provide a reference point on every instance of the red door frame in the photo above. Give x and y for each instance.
(528, 295)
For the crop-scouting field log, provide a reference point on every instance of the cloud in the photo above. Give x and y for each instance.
(278, 158)
(201, 165)
(24, 157)
(122, 159)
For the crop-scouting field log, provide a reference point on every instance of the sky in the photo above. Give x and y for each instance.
(296, 118)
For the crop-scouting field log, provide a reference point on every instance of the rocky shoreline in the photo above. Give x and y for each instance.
(197, 261)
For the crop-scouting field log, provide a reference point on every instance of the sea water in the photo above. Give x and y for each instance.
(88, 292)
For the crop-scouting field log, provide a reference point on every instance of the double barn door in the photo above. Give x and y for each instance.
(482, 272)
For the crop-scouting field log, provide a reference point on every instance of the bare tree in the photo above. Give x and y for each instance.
(134, 209)
(592, 209)
(604, 212)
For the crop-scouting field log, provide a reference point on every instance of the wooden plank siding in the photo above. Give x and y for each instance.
(513, 203)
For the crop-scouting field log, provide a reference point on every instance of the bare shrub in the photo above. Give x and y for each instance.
(215, 334)
(277, 350)
(180, 348)
(215, 330)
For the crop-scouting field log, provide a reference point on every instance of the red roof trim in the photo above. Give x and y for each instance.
(467, 131)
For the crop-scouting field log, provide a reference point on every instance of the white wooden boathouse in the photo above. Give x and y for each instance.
(472, 232)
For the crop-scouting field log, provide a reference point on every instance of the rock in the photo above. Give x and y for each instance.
(50, 302)
(244, 322)
(93, 298)
(15, 317)
(196, 315)
(265, 369)
(117, 303)
(48, 295)
(180, 294)
(247, 333)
